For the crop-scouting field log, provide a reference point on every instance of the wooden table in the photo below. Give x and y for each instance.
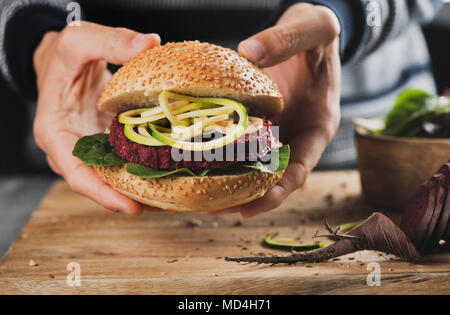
(170, 253)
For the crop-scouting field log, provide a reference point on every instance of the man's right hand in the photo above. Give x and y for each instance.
(71, 72)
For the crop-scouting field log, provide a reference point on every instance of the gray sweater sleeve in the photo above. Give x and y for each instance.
(387, 19)
(394, 17)
(27, 20)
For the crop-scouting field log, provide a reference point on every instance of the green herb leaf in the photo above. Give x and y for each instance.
(148, 172)
(277, 164)
(203, 173)
(288, 244)
(412, 109)
(95, 150)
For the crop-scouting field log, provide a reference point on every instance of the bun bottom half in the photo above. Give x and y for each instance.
(187, 193)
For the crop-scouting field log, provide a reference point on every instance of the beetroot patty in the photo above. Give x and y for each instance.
(160, 157)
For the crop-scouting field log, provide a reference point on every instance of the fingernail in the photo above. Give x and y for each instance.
(141, 40)
(253, 50)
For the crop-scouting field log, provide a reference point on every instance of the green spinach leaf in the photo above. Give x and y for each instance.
(412, 109)
(148, 172)
(278, 163)
(95, 150)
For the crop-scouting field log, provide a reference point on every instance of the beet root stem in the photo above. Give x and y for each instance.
(377, 233)
(341, 247)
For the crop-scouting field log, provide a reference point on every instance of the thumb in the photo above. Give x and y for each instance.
(91, 41)
(307, 29)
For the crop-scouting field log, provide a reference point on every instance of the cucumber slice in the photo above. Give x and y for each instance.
(197, 128)
(164, 105)
(206, 112)
(288, 243)
(189, 116)
(144, 115)
(158, 110)
(230, 137)
(131, 134)
(129, 118)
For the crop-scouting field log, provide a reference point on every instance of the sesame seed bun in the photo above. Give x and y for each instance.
(190, 68)
(195, 69)
(190, 194)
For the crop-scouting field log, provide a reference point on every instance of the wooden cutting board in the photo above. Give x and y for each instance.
(170, 253)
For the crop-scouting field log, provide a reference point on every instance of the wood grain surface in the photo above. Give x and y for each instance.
(171, 253)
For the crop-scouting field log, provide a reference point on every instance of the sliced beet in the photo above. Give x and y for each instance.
(432, 216)
(415, 219)
(446, 235)
(383, 235)
(441, 226)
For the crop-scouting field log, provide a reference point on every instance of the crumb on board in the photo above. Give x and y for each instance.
(329, 198)
(194, 222)
(237, 223)
(32, 263)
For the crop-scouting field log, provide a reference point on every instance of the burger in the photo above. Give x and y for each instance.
(190, 129)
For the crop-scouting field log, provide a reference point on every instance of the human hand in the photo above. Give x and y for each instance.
(71, 72)
(301, 55)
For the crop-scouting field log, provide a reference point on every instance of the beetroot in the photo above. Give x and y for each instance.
(444, 219)
(417, 215)
(424, 223)
(378, 233)
(385, 236)
(432, 216)
(446, 236)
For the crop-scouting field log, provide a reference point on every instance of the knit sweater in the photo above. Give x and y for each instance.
(382, 47)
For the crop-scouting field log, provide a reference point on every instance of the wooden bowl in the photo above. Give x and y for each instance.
(392, 168)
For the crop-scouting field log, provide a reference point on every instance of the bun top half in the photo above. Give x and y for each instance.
(190, 68)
